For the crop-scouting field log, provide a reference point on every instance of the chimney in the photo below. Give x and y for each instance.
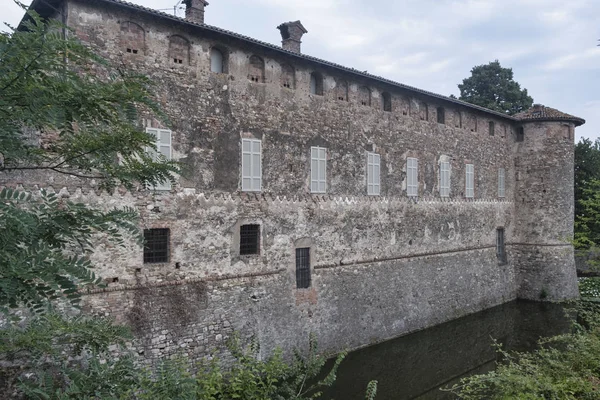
(194, 10)
(291, 33)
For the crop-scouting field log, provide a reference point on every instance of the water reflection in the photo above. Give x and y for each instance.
(417, 365)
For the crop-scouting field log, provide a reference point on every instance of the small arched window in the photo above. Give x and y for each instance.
(441, 115)
(316, 84)
(457, 119)
(341, 90)
(133, 38)
(386, 99)
(179, 50)
(364, 96)
(288, 76)
(256, 69)
(217, 61)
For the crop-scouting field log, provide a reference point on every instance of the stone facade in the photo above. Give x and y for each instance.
(381, 265)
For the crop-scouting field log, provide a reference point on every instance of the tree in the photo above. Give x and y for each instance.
(65, 111)
(492, 86)
(587, 193)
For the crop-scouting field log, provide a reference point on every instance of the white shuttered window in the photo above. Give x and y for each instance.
(163, 147)
(444, 179)
(470, 181)
(501, 183)
(373, 169)
(412, 177)
(318, 170)
(251, 165)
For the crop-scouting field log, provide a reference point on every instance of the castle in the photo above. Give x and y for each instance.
(315, 197)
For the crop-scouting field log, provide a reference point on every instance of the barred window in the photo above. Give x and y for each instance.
(501, 183)
(249, 239)
(470, 181)
(303, 268)
(373, 169)
(500, 247)
(156, 246)
(412, 180)
(444, 179)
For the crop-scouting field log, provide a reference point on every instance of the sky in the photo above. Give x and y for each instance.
(551, 45)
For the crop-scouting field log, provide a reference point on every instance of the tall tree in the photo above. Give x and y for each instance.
(493, 87)
(64, 110)
(587, 193)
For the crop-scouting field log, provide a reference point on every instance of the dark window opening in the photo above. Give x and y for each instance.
(492, 128)
(156, 247)
(500, 247)
(133, 51)
(441, 115)
(303, 268)
(316, 84)
(178, 61)
(256, 69)
(364, 95)
(520, 134)
(387, 101)
(249, 239)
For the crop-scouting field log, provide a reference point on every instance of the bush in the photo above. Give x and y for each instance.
(564, 367)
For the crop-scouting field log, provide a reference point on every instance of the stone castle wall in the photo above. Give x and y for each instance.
(381, 266)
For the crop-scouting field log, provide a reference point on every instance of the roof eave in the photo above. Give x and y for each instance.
(300, 56)
(575, 120)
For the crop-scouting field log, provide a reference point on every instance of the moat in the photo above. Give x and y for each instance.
(416, 366)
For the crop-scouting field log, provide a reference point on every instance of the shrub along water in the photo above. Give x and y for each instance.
(564, 367)
(56, 357)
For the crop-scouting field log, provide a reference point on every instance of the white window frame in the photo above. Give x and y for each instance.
(373, 174)
(165, 148)
(217, 61)
(412, 177)
(469, 180)
(501, 182)
(251, 165)
(445, 179)
(318, 169)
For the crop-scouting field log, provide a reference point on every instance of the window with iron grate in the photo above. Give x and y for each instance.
(303, 268)
(156, 247)
(500, 247)
(249, 239)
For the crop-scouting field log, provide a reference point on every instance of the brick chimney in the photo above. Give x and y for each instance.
(291, 33)
(194, 10)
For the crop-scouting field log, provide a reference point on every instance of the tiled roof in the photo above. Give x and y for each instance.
(40, 5)
(540, 112)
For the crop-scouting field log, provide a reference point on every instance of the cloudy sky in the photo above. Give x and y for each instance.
(551, 45)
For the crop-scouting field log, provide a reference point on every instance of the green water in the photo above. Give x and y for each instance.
(417, 365)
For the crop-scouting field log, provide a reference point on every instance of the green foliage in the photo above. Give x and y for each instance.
(564, 367)
(492, 86)
(65, 110)
(587, 220)
(589, 287)
(44, 244)
(58, 358)
(587, 194)
(55, 357)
